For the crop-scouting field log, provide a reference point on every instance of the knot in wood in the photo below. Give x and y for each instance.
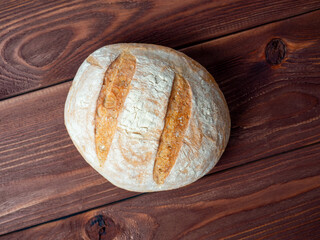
(275, 51)
(101, 227)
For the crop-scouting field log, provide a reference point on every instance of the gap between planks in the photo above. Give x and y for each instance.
(248, 116)
(141, 194)
(179, 48)
(252, 164)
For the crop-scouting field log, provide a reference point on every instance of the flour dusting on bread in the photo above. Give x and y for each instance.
(170, 123)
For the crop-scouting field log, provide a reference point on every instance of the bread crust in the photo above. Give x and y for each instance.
(130, 162)
(176, 123)
(112, 96)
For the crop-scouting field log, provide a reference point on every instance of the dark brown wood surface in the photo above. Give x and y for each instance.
(278, 198)
(42, 174)
(265, 56)
(43, 42)
(274, 108)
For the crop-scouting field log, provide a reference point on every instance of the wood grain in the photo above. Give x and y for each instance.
(42, 174)
(278, 198)
(274, 108)
(44, 42)
(270, 77)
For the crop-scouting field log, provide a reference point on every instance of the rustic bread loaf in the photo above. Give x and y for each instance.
(147, 117)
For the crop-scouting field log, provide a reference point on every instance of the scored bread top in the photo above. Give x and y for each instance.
(115, 88)
(176, 123)
(168, 122)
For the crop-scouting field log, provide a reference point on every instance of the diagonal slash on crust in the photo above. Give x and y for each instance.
(115, 88)
(176, 123)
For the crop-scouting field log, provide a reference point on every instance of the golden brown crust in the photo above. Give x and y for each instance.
(93, 61)
(110, 102)
(176, 123)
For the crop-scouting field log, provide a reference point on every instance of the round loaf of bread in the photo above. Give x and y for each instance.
(146, 117)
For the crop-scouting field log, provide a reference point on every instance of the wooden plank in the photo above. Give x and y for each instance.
(42, 174)
(273, 109)
(44, 42)
(278, 198)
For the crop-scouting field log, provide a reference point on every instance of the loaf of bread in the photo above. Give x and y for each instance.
(147, 117)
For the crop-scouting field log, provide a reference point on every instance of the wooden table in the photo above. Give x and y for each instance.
(265, 56)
